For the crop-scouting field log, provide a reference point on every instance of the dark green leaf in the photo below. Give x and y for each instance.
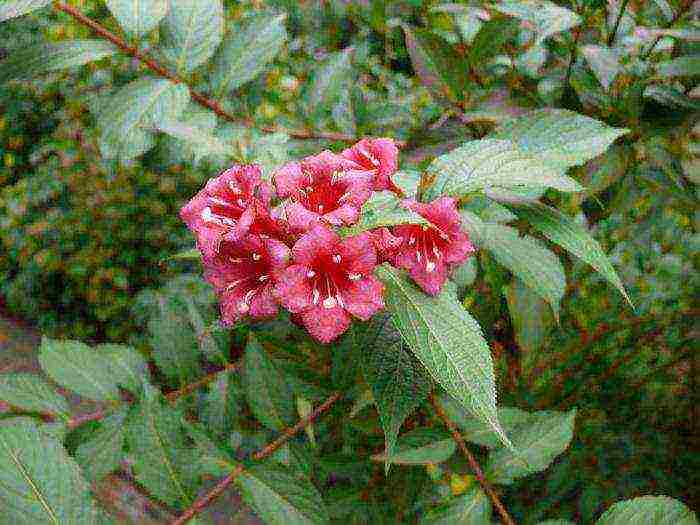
(420, 447)
(104, 451)
(472, 508)
(30, 392)
(648, 510)
(128, 368)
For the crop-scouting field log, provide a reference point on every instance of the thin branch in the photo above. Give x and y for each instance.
(613, 34)
(201, 99)
(473, 463)
(574, 50)
(682, 10)
(200, 504)
(210, 378)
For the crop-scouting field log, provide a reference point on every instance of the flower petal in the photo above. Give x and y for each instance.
(288, 179)
(299, 218)
(347, 214)
(319, 239)
(358, 253)
(325, 324)
(293, 289)
(363, 298)
(263, 303)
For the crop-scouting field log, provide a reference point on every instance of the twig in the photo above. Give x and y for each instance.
(613, 34)
(201, 503)
(473, 463)
(201, 99)
(210, 378)
(574, 48)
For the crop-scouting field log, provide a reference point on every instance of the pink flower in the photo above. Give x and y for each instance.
(329, 281)
(378, 157)
(322, 188)
(386, 244)
(430, 252)
(243, 274)
(229, 207)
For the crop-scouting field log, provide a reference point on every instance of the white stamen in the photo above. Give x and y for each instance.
(234, 189)
(309, 189)
(340, 301)
(233, 285)
(310, 274)
(243, 307)
(444, 236)
(263, 278)
(411, 241)
(256, 256)
(425, 228)
(337, 259)
(329, 302)
(417, 255)
(235, 260)
(316, 296)
(207, 215)
(430, 267)
(320, 208)
(354, 276)
(220, 202)
(241, 203)
(436, 251)
(344, 196)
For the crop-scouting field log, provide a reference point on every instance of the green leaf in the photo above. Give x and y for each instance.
(192, 31)
(447, 341)
(78, 367)
(30, 392)
(39, 482)
(328, 81)
(15, 8)
(161, 456)
(670, 96)
(464, 275)
(200, 140)
(191, 254)
(472, 508)
(564, 231)
(685, 66)
(422, 446)
(558, 137)
(383, 209)
(103, 452)
(397, 380)
(221, 404)
(489, 163)
(138, 17)
(604, 62)
(128, 368)
(130, 117)
(246, 51)
(36, 60)
(281, 498)
(268, 393)
(648, 510)
(537, 443)
(545, 17)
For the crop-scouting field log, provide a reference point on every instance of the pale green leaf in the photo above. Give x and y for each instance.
(14, 8)
(383, 209)
(329, 79)
(281, 498)
(648, 510)
(545, 437)
(138, 17)
(556, 522)
(604, 62)
(221, 403)
(447, 341)
(465, 274)
(489, 163)
(685, 66)
(191, 254)
(31, 393)
(192, 31)
(671, 96)
(558, 137)
(472, 508)
(103, 452)
(247, 50)
(39, 482)
(128, 368)
(36, 60)
(200, 140)
(268, 393)
(422, 446)
(78, 367)
(544, 17)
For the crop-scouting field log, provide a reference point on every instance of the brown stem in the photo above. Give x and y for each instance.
(201, 99)
(201, 503)
(473, 463)
(210, 378)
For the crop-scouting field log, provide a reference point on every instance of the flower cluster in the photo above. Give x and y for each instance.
(259, 256)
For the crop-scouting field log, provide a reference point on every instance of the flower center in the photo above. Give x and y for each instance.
(428, 244)
(324, 193)
(330, 279)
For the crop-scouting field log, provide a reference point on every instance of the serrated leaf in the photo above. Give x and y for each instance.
(129, 118)
(281, 498)
(15, 8)
(604, 62)
(30, 392)
(685, 66)
(160, 452)
(268, 393)
(246, 51)
(547, 435)
(383, 209)
(465, 274)
(447, 341)
(36, 60)
(138, 17)
(472, 508)
(558, 137)
(104, 451)
(490, 163)
(39, 482)
(329, 79)
(221, 404)
(544, 17)
(648, 510)
(192, 31)
(422, 446)
(128, 368)
(670, 96)
(79, 368)
(398, 382)
(200, 140)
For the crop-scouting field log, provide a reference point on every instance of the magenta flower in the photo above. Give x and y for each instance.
(244, 274)
(378, 157)
(229, 207)
(430, 252)
(329, 281)
(386, 244)
(325, 188)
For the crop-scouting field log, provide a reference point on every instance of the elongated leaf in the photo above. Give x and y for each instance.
(130, 116)
(648, 510)
(221, 404)
(128, 368)
(330, 79)
(44, 58)
(422, 446)
(489, 163)
(246, 52)
(104, 451)
(558, 137)
(200, 140)
(685, 66)
(546, 436)
(447, 341)
(78, 367)
(281, 498)
(138, 17)
(192, 31)
(670, 96)
(14, 8)
(604, 62)
(546, 18)
(472, 508)
(383, 209)
(30, 392)
(268, 393)
(191, 254)
(161, 455)
(397, 380)
(531, 320)
(39, 482)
